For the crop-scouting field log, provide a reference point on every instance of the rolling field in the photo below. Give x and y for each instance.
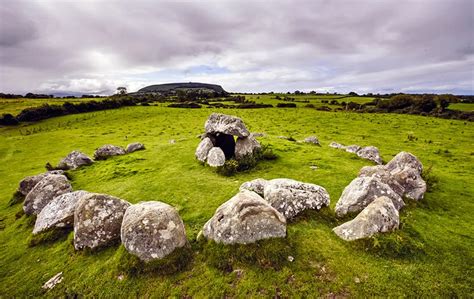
(14, 106)
(431, 256)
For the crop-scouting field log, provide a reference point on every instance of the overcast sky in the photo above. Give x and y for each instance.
(247, 46)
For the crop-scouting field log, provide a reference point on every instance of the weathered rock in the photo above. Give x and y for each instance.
(74, 160)
(336, 145)
(107, 151)
(378, 217)
(227, 124)
(215, 157)
(59, 212)
(370, 153)
(291, 197)
(257, 186)
(97, 220)
(29, 182)
(411, 180)
(352, 148)
(361, 192)
(135, 146)
(258, 134)
(203, 149)
(405, 160)
(312, 140)
(53, 281)
(245, 218)
(152, 230)
(384, 176)
(246, 146)
(43, 192)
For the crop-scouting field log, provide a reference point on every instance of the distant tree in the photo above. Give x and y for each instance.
(121, 90)
(354, 94)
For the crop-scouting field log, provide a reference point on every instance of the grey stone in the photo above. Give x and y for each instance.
(405, 160)
(258, 134)
(361, 192)
(312, 140)
(203, 149)
(291, 197)
(43, 192)
(245, 218)
(29, 182)
(370, 153)
(53, 281)
(352, 148)
(135, 146)
(59, 212)
(381, 173)
(227, 124)
(215, 157)
(411, 180)
(257, 186)
(152, 230)
(378, 217)
(97, 220)
(74, 160)
(107, 151)
(246, 146)
(336, 145)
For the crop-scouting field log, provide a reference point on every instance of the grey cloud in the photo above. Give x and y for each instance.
(266, 45)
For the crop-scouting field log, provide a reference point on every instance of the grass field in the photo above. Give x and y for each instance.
(431, 256)
(462, 106)
(14, 106)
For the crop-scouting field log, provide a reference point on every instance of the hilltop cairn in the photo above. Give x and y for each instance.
(377, 193)
(369, 152)
(226, 138)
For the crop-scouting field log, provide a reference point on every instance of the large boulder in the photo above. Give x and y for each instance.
(97, 220)
(215, 157)
(59, 212)
(382, 174)
(405, 160)
(410, 179)
(74, 160)
(291, 197)
(245, 218)
(378, 217)
(227, 124)
(107, 151)
(257, 186)
(361, 192)
(152, 230)
(370, 153)
(30, 182)
(352, 148)
(44, 191)
(135, 146)
(203, 149)
(246, 146)
(312, 140)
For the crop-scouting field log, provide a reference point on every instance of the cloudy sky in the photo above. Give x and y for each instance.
(249, 46)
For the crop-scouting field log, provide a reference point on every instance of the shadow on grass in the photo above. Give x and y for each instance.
(48, 237)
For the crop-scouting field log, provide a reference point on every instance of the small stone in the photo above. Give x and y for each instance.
(135, 146)
(216, 157)
(51, 283)
(74, 160)
(290, 258)
(107, 151)
(312, 140)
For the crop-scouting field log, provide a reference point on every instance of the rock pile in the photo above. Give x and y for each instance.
(226, 137)
(369, 152)
(377, 193)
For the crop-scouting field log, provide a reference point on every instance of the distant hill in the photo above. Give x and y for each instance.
(174, 87)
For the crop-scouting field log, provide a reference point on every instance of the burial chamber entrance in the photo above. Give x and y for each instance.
(227, 144)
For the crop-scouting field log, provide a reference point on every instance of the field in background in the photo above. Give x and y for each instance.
(435, 241)
(14, 106)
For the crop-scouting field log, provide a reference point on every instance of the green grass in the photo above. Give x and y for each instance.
(431, 256)
(15, 106)
(462, 106)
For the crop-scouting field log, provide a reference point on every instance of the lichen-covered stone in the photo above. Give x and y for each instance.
(361, 192)
(352, 148)
(370, 153)
(291, 197)
(59, 212)
(336, 145)
(246, 146)
(378, 217)
(245, 218)
(215, 157)
(152, 230)
(74, 160)
(227, 124)
(44, 191)
(257, 186)
(97, 220)
(107, 151)
(405, 160)
(135, 146)
(312, 140)
(203, 149)
(29, 182)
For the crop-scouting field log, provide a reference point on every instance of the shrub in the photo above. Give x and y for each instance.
(8, 120)
(233, 166)
(286, 105)
(185, 105)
